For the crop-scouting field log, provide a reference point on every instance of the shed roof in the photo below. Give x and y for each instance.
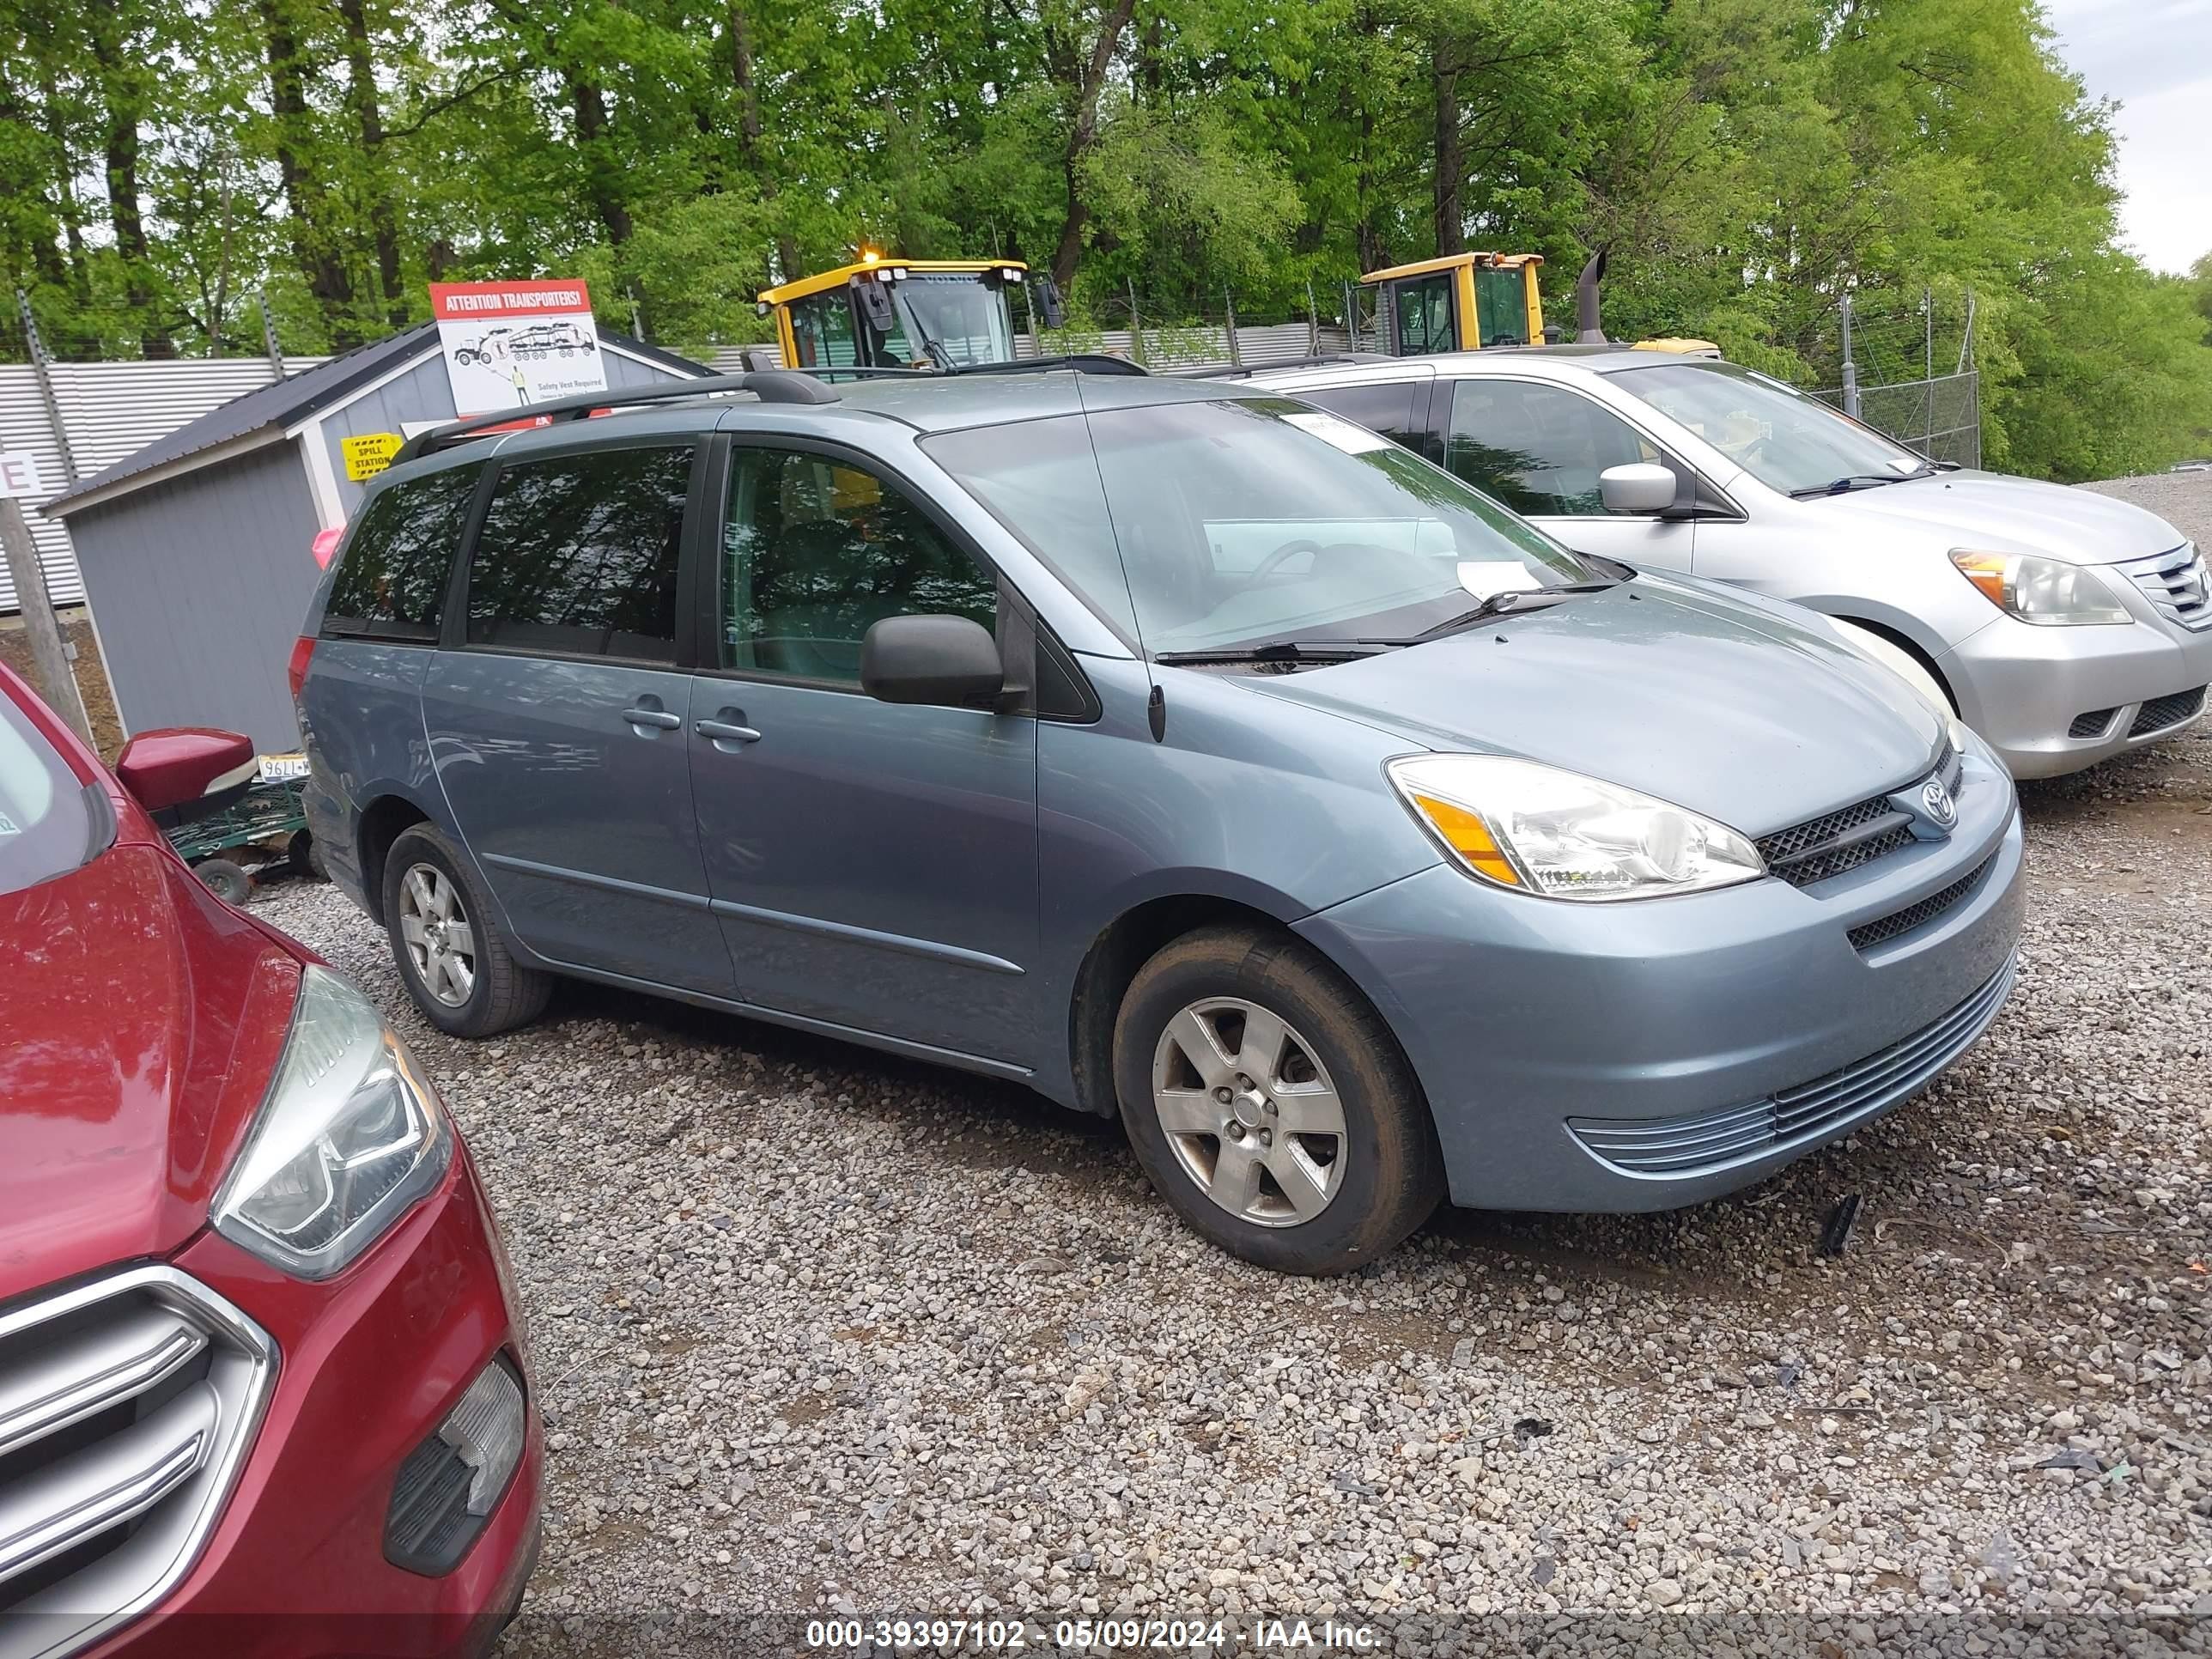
(284, 403)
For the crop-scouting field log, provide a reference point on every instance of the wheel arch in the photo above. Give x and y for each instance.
(1123, 946)
(381, 821)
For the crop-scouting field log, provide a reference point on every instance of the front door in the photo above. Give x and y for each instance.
(1539, 448)
(873, 865)
(557, 719)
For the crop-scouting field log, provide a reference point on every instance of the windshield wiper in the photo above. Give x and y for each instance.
(1511, 598)
(1852, 480)
(1282, 651)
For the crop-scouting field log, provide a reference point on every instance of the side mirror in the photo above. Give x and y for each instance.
(1053, 307)
(951, 661)
(875, 305)
(187, 772)
(1640, 487)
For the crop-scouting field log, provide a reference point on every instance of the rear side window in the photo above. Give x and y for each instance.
(392, 582)
(578, 555)
(1387, 408)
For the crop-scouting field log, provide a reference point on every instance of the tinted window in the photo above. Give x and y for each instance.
(1388, 410)
(578, 553)
(1424, 318)
(814, 551)
(391, 582)
(821, 327)
(45, 828)
(1538, 448)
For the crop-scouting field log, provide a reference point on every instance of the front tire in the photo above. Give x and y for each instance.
(451, 953)
(1271, 1106)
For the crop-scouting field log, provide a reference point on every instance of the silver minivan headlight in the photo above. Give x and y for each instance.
(350, 1135)
(1538, 830)
(2049, 592)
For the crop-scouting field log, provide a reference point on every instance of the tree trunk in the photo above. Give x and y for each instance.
(72, 217)
(368, 121)
(320, 262)
(1451, 160)
(1084, 130)
(39, 247)
(119, 148)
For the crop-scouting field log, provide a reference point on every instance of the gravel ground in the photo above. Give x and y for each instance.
(814, 1330)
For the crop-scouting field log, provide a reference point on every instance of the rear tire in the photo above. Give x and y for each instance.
(1271, 1106)
(452, 954)
(227, 881)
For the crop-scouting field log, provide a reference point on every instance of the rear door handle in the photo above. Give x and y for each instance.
(659, 717)
(725, 731)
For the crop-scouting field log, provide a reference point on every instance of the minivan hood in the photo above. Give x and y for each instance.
(1991, 512)
(1733, 710)
(138, 1029)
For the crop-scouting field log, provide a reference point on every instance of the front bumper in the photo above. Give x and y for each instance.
(370, 1365)
(1524, 1017)
(2022, 688)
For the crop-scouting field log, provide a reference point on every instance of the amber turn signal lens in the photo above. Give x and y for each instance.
(1470, 838)
(1987, 573)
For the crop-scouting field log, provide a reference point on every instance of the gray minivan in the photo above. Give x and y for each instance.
(1186, 752)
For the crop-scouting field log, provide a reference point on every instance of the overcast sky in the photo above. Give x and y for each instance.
(2155, 57)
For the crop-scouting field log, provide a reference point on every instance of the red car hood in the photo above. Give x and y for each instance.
(139, 1023)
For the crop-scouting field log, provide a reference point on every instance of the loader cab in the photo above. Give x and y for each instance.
(882, 312)
(1459, 303)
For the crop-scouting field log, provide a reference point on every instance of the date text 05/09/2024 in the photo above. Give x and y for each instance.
(1086, 1636)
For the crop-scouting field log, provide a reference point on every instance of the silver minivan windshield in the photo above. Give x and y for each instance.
(1233, 522)
(1786, 440)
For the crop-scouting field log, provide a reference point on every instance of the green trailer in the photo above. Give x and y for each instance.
(267, 827)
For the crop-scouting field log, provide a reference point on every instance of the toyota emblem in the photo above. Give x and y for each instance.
(1937, 800)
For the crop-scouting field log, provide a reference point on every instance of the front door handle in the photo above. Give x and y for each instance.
(659, 717)
(724, 732)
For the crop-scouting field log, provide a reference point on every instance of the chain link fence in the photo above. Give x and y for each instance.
(1905, 365)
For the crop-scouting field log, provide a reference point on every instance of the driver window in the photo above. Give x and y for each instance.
(1539, 448)
(815, 550)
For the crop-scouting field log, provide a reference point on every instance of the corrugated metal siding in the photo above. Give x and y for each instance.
(199, 583)
(110, 410)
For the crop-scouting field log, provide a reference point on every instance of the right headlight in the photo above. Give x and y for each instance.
(349, 1137)
(2049, 592)
(1539, 830)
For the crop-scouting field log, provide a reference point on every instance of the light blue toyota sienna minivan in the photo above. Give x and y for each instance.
(1188, 753)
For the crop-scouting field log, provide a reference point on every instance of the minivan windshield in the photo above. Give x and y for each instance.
(45, 823)
(1785, 440)
(1236, 522)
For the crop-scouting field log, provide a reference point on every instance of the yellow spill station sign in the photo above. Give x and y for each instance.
(369, 453)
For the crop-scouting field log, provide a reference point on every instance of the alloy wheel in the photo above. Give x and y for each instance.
(1249, 1111)
(441, 946)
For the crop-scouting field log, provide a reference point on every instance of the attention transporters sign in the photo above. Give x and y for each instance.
(511, 343)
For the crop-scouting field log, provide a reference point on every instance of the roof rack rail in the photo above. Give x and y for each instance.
(770, 386)
(1084, 362)
(1230, 370)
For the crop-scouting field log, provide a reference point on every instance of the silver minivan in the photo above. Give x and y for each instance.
(1188, 754)
(2064, 626)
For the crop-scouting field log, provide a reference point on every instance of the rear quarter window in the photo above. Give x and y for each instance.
(393, 576)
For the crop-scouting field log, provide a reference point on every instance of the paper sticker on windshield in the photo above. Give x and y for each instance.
(1332, 428)
(1487, 578)
(8, 826)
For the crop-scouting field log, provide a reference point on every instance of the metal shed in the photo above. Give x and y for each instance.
(196, 550)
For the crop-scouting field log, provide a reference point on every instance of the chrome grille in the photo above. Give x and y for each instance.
(2161, 712)
(126, 1406)
(1823, 1109)
(2177, 585)
(1881, 929)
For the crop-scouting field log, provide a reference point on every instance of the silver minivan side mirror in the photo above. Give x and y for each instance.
(1639, 487)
